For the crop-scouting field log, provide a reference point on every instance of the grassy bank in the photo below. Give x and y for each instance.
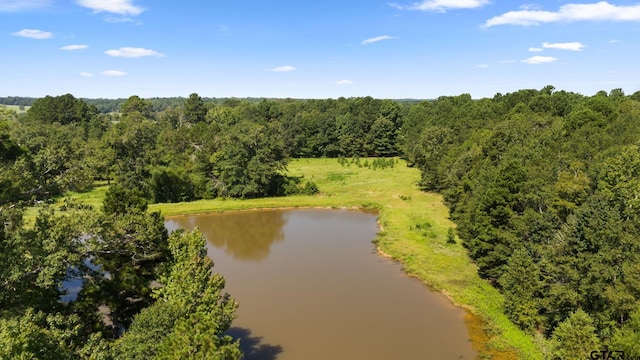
(415, 226)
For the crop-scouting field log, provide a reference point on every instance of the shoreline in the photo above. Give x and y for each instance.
(476, 325)
(350, 208)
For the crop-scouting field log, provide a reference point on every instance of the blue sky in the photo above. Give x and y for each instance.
(316, 49)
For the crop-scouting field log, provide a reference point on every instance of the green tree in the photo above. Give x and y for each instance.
(426, 154)
(127, 250)
(572, 188)
(351, 135)
(451, 236)
(149, 329)
(120, 200)
(627, 338)
(210, 310)
(383, 138)
(13, 181)
(575, 338)
(199, 336)
(521, 287)
(133, 144)
(100, 160)
(9, 149)
(249, 160)
(619, 179)
(416, 119)
(52, 158)
(37, 260)
(191, 314)
(65, 109)
(36, 335)
(134, 106)
(194, 109)
(169, 185)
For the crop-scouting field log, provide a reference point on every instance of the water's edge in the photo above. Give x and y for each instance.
(474, 323)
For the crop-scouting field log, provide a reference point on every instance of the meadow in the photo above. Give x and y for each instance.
(17, 108)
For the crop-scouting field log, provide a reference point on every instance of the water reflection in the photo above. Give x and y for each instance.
(247, 237)
(252, 346)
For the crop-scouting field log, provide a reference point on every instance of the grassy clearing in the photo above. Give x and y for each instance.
(16, 108)
(93, 198)
(414, 232)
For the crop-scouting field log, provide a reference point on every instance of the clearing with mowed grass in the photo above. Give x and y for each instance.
(414, 230)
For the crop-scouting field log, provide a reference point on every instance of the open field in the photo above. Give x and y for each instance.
(16, 108)
(414, 231)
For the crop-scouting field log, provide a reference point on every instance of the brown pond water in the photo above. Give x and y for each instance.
(311, 286)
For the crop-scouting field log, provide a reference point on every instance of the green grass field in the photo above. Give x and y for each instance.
(414, 227)
(16, 108)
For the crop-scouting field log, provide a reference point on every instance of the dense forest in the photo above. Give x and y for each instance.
(544, 186)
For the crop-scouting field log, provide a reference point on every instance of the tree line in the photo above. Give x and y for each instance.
(198, 150)
(106, 106)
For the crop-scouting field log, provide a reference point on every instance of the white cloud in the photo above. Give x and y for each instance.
(22, 5)
(376, 39)
(539, 60)
(113, 73)
(535, 49)
(482, 66)
(614, 41)
(118, 19)
(86, 74)
(344, 82)
(530, 7)
(601, 11)
(130, 52)
(285, 68)
(572, 46)
(120, 7)
(74, 47)
(33, 34)
(442, 5)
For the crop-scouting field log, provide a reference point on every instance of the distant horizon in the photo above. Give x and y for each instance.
(311, 98)
(416, 49)
(211, 97)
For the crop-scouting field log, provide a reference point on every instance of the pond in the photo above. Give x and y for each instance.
(311, 286)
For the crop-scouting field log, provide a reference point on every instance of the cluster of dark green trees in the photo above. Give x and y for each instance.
(544, 186)
(545, 189)
(108, 284)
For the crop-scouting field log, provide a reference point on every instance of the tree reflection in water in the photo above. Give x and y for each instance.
(252, 346)
(248, 237)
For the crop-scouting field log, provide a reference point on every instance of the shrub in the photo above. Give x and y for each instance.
(310, 188)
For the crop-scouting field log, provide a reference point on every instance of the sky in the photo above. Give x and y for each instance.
(316, 49)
